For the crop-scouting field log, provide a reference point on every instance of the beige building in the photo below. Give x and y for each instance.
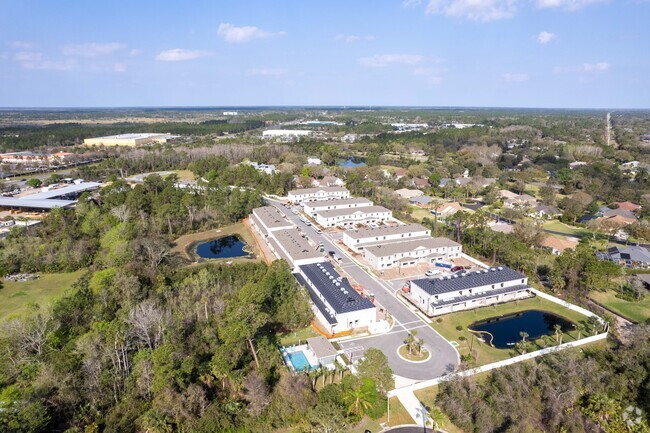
(129, 139)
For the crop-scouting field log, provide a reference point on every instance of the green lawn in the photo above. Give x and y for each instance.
(298, 337)
(486, 354)
(635, 311)
(16, 297)
(558, 226)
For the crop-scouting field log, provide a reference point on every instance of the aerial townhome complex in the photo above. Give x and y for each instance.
(315, 194)
(436, 296)
(348, 217)
(411, 252)
(357, 240)
(312, 207)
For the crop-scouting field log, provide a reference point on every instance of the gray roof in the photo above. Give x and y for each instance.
(321, 347)
(66, 190)
(386, 231)
(437, 286)
(34, 204)
(633, 253)
(329, 316)
(352, 210)
(271, 217)
(424, 199)
(338, 202)
(295, 245)
(621, 212)
(315, 190)
(392, 248)
(473, 296)
(342, 297)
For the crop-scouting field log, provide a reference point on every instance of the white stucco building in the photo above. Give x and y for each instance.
(348, 217)
(436, 296)
(312, 207)
(286, 133)
(322, 193)
(337, 306)
(356, 240)
(411, 252)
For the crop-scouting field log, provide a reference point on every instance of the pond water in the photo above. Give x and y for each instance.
(222, 248)
(506, 329)
(351, 161)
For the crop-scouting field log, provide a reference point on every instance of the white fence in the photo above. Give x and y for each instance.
(494, 365)
(473, 260)
(566, 304)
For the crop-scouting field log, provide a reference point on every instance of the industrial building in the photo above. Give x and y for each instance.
(356, 240)
(312, 207)
(337, 305)
(313, 194)
(436, 296)
(348, 217)
(409, 253)
(49, 198)
(129, 139)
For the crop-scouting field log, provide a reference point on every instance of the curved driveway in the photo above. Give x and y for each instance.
(444, 358)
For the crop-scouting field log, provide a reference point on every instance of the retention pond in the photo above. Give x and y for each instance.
(222, 248)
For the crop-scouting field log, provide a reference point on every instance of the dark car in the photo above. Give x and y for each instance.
(457, 268)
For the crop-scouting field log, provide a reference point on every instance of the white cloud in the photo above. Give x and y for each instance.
(135, 52)
(21, 45)
(382, 60)
(119, 67)
(570, 5)
(92, 49)
(273, 72)
(233, 34)
(585, 68)
(353, 38)
(475, 10)
(545, 37)
(34, 60)
(180, 54)
(515, 78)
(411, 3)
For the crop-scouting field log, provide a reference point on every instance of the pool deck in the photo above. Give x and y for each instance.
(311, 358)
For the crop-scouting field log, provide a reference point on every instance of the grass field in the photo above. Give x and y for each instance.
(486, 354)
(558, 226)
(16, 297)
(635, 311)
(398, 414)
(298, 337)
(185, 242)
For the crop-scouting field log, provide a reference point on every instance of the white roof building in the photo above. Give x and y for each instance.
(313, 194)
(357, 240)
(348, 217)
(409, 253)
(312, 207)
(286, 133)
(129, 139)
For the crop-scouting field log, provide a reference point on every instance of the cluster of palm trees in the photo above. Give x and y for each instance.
(414, 344)
(592, 325)
(326, 373)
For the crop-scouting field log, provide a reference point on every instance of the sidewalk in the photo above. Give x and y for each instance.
(413, 406)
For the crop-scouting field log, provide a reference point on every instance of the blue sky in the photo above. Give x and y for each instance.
(505, 53)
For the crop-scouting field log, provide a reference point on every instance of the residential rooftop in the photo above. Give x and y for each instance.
(304, 191)
(392, 248)
(338, 202)
(295, 245)
(351, 211)
(271, 217)
(336, 289)
(470, 280)
(386, 231)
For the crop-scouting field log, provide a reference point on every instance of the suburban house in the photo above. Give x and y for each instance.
(422, 201)
(630, 257)
(507, 195)
(337, 305)
(447, 209)
(400, 173)
(312, 207)
(409, 193)
(557, 245)
(312, 160)
(627, 205)
(411, 252)
(436, 296)
(313, 194)
(420, 182)
(330, 181)
(520, 201)
(347, 217)
(546, 212)
(357, 240)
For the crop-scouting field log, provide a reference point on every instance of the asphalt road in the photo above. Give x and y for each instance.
(444, 357)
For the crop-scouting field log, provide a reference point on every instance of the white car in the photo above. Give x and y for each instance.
(319, 231)
(432, 272)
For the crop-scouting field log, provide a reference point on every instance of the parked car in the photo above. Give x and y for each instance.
(432, 272)
(319, 231)
(457, 268)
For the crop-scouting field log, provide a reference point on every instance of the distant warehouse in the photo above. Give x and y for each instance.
(129, 139)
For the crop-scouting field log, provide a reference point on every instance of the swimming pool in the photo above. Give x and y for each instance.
(299, 361)
(299, 358)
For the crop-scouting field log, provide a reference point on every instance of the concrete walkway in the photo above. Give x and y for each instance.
(414, 407)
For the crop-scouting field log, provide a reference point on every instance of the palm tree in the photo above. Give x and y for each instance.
(438, 417)
(580, 327)
(523, 336)
(558, 333)
(357, 400)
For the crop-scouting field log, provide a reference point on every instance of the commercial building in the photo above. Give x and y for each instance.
(292, 246)
(409, 253)
(356, 240)
(436, 296)
(129, 139)
(312, 207)
(349, 216)
(50, 197)
(286, 133)
(337, 305)
(314, 194)
(268, 219)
